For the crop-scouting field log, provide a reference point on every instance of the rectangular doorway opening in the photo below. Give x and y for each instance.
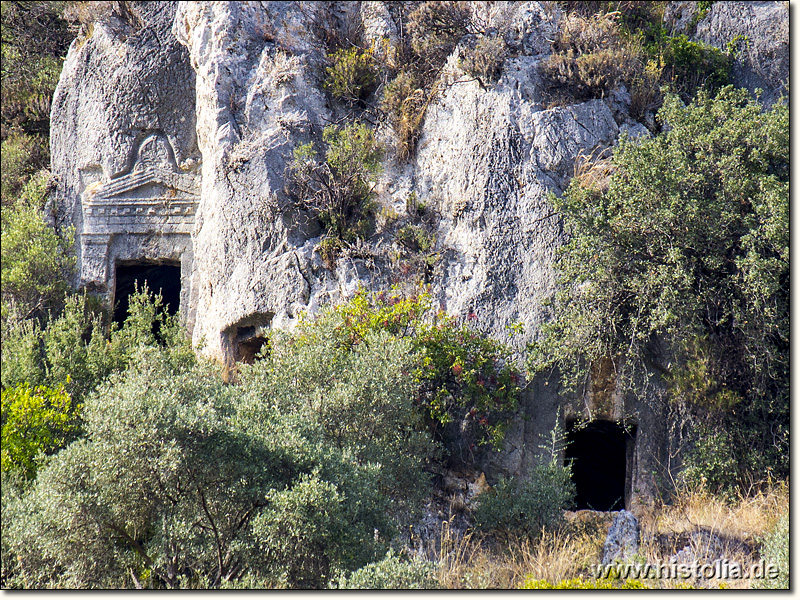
(599, 453)
(163, 278)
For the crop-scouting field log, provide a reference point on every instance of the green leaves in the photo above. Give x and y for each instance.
(36, 421)
(36, 261)
(525, 508)
(460, 373)
(352, 75)
(337, 189)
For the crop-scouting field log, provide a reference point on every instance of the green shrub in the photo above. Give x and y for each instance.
(710, 462)
(515, 509)
(75, 348)
(775, 551)
(337, 189)
(35, 421)
(181, 481)
(460, 373)
(416, 238)
(37, 262)
(645, 277)
(359, 397)
(691, 65)
(626, 43)
(21, 156)
(352, 76)
(391, 573)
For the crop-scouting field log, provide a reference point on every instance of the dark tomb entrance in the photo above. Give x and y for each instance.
(163, 278)
(248, 345)
(599, 452)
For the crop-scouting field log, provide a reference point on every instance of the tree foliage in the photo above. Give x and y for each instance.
(180, 484)
(523, 509)
(77, 349)
(680, 270)
(35, 38)
(352, 74)
(461, 375)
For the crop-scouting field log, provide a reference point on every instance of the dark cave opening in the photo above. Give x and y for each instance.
(248, 345)
(599, 453)
(164, 278)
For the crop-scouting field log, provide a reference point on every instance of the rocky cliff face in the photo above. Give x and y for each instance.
(221, 92)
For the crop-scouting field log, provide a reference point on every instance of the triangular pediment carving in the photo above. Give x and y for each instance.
(152, 196)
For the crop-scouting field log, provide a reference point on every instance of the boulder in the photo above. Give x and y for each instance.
(622, 542)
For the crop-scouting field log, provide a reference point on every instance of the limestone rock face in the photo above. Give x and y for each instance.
(488, 159)
(762, 31)
(256, 100)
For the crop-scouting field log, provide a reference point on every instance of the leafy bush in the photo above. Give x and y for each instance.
(416, 238)
(35, 421)
(461, 374)
(352, 76)
(709, 462)
(626, 43)
(337, 189)
(775, 551)
(21, 156)
(36, 261)
(358, 396)
(391, 573)
(644, 277)
(35, 39)
(524, 508)
(180, 482)
(691, 65)
(74, 348)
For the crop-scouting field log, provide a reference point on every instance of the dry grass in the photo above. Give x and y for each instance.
(746, 518)
(729, 529)
(591, 58)
(477, 562)
(593, 171)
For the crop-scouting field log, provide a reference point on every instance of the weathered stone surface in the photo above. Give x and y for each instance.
(762, 28)
(257, 98)
(622, 541)
(531, 25)
(679, 16)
